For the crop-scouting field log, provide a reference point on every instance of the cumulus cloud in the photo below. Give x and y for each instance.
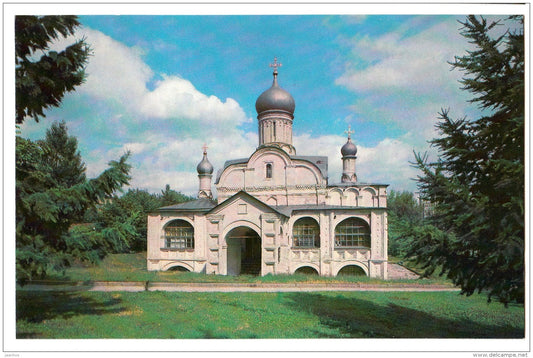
(115, 71)
(176, 97)
(118, 73)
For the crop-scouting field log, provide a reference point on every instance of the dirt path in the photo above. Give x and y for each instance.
(224, 287)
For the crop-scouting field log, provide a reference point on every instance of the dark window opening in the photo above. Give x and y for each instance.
(351, 270)
(307, 270)
(269, 171)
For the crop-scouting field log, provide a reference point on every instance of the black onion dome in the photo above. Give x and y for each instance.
(204, 167)
(349, 149)
(275, 98)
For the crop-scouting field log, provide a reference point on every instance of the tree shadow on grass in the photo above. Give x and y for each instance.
(357, 318)
(39, 306)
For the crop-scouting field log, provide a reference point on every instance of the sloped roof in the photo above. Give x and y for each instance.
(203, 204)
(321, 162)
(227, 164)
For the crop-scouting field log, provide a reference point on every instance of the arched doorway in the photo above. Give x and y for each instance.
(244, 251)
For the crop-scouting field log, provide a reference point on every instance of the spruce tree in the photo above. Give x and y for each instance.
(60, 151)
(46, 210)
(42, 83)
(477, 183)
(52, 192)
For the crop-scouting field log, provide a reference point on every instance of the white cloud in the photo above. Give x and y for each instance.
(115, 71)
(416, 64)
(408, 79)
(406, 82)
(161, 160)
(176, 97)
(388, 163)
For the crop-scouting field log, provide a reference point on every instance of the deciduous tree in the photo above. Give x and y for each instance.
(405, 213)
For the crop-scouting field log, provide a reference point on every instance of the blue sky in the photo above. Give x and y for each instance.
(162, 86)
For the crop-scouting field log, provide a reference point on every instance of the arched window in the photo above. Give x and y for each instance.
(269, 171)
(352, 232)
(306, 233)
(179, 234)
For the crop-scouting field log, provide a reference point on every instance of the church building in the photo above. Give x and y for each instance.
(276, 211)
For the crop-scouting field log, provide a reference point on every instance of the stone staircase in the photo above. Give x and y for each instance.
(398, 272)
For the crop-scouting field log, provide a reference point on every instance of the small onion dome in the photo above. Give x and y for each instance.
(275, 98)
(204, 167)
(349, 149)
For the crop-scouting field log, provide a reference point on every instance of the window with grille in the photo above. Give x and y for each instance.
(352, 232)
(179, 234)
(306, 233)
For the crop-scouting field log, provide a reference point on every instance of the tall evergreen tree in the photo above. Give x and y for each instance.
(477, 185)
(46, 210)
(41, 84)
(61, 155)
(52, 192)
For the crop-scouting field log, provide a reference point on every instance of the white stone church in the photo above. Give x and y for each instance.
(276, 212)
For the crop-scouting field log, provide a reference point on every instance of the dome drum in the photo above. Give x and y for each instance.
(275, 113)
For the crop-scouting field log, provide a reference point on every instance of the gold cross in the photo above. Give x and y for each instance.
(275, 65)
(205, 148)
(349, 131)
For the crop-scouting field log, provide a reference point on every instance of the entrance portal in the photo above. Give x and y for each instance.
(244, 251)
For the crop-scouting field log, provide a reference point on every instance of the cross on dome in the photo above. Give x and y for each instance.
(275, 65)
(205, 148)
(349, 131)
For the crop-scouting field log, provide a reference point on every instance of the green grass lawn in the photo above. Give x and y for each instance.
(132, 267)
(84, 314)
(264, 315)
